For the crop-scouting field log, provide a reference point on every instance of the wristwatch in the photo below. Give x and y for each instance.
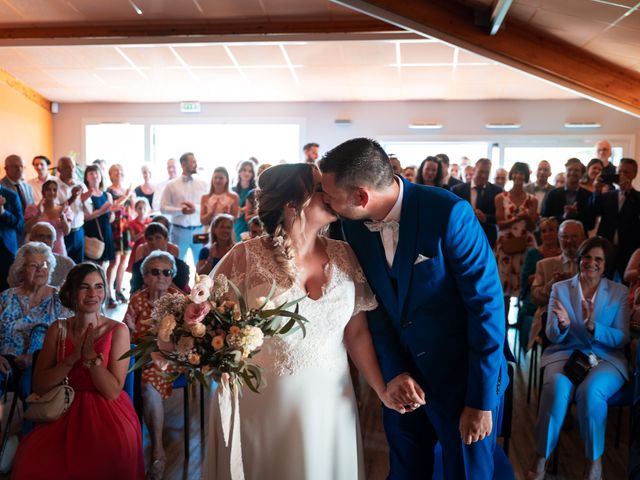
(93, 362)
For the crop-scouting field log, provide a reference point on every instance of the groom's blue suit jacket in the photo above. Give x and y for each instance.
(441, 319)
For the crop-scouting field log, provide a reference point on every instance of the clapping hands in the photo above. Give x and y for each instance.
(562, 315)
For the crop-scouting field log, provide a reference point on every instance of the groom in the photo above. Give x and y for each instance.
(439, 332)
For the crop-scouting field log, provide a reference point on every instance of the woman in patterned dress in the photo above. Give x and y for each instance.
(158, 270)
(516, 216)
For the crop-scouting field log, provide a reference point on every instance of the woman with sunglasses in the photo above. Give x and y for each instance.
(158, 270)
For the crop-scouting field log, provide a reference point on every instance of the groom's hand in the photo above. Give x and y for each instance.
(405, 391)
(475, 425)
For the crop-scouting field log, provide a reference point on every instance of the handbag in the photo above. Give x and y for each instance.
(513, 245)
(577, 367)
(53, 404)
(94, 247)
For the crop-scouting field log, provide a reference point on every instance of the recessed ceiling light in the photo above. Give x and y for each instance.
(135, 7)
(505, 126)
(342, 122)
(425, 126)
(582, 125)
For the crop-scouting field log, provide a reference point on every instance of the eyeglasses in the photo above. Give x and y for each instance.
(156, 272)
(39, 266)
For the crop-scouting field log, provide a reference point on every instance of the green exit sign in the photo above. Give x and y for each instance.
(190, 107)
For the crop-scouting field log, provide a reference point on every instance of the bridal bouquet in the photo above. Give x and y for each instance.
(206, 335)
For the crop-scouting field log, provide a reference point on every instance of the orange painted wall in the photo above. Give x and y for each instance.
(26, 128)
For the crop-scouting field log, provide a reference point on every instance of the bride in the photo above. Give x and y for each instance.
(303, 424)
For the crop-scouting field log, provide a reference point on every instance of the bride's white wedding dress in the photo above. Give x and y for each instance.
(304, 424)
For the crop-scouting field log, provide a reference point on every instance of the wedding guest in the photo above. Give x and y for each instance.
(603, 152)
(261, 168)
(141, 248)
(559, 180)
(11, 228)
(220, 242)
(102, 165)
(541, 186)
(310, 151)
(146, 189)
(31, 303)
(620, 214)
(138, 224)
(455, 171)
(395, 164)
(14, 168)
(181, 200)
(101, 425)
(158, 270)
(255, 227)
(409, 173)
(594, 169)
(500, 178)
(430, 172)
(588, 313)
(570, 202)
(73, 193)
(632, 273)
(246, 183)
(41, 165)
(157, 238)
(448, 181)
(219, 199)
(172, 173)
(551, 270)
(48, 210)
(120, 228)
(468, 173)
(45, 233)
(632, 278)
(481, 195)
(516, 216)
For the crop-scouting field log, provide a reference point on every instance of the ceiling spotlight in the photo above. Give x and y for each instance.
(425, 126)
(505, 126)
(582, 125)
(135, 7)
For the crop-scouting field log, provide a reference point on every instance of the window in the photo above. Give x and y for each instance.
(121, 143)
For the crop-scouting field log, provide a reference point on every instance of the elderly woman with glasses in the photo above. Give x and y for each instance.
(26, 311)
(158, 270)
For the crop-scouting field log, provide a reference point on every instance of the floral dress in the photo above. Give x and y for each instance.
(510, 265)
(120, 224)
(139, 313)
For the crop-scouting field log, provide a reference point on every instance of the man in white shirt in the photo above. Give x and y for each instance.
(73, 193)
(41, 165)
(172, 171)
(541, 186)
(181, 200)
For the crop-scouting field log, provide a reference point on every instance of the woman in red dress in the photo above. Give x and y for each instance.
(99, 437)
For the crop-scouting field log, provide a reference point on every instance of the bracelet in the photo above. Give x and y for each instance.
(94, 362)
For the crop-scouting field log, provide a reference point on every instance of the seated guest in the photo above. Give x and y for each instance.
(409, 173)
(620, 214)
(158, 270)
(549, 248)
(157, 238)
(30, 304)
(448, 181)
(481, 195)
(101, 426)
(256, 227)
(220, 242)
(430, 172)
(588, 313)
(11, 228)
(45, 233)
(570, 202)
(541, 186)
(548, 271)
(48, 210)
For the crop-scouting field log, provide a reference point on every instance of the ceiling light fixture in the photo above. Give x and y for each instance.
(342, 122)
(502, 126)
(425, 126)
(582, 125)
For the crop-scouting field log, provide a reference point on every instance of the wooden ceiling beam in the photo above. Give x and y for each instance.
(127, 32)
(515, 45)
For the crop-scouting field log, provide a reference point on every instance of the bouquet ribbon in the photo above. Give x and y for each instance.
(228, 402)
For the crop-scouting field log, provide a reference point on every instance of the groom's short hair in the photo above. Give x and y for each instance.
(358, 162)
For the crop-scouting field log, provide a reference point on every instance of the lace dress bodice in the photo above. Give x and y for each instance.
(251, 266)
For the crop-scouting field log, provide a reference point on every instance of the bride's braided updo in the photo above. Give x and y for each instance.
(279, 187)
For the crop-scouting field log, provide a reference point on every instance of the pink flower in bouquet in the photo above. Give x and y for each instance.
(164, 345)
(195, 313)
(159, 360)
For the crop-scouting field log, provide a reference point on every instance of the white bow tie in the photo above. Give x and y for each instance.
(378, 226)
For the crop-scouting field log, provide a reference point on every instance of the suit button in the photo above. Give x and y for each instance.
(406, 324)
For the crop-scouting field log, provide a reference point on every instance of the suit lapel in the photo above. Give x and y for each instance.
(406, 251)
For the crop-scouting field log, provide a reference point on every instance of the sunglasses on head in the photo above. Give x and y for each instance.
(156, 272)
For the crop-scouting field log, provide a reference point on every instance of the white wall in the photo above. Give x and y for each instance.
(382, 120)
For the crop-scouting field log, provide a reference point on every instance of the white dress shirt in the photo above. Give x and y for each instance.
(183, 189)
(390, 236)
(64, 193)
(36, 186)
